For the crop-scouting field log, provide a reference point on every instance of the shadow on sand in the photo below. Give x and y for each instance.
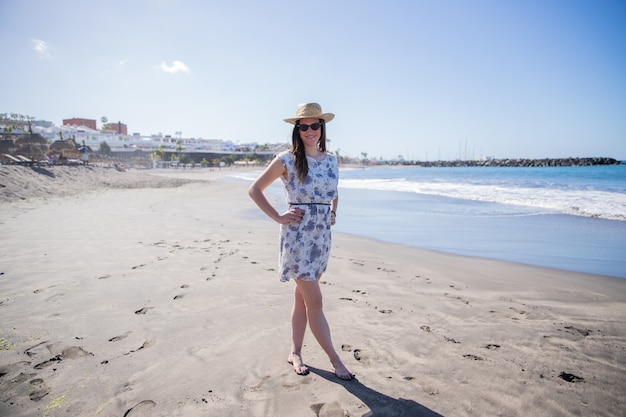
(381, 405)
(43, 171)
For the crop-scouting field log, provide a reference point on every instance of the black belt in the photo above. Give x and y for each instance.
(309, 204)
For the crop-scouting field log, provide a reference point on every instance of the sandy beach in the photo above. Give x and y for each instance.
(155, 293)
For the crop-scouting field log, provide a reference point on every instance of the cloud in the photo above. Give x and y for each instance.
(41, 48)
(177, 66)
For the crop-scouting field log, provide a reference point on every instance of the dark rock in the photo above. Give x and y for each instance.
(558, 162)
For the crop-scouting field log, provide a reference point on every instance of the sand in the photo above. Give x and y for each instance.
(134, 294)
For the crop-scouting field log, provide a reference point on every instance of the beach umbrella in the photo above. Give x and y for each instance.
(62, 145)
(33, 145)
(31, 139)
(7, 146)
(65, 147)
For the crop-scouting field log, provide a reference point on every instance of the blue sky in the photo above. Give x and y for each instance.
(424, 79)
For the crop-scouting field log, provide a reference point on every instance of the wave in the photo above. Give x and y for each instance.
(587, 203)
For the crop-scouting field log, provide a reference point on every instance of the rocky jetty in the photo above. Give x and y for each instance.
(548, 162)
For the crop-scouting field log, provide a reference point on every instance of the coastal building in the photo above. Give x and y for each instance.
(119, 128)
(125, 143)
(115, 135)
(76, 121)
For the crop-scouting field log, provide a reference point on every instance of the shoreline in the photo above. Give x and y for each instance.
(19, 183)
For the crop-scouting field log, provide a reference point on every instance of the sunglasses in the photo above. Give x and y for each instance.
(314, 126)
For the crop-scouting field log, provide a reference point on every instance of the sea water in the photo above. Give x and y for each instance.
(570, 218)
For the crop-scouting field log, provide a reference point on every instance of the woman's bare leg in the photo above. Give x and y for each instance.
(312, 295)
(298, 328)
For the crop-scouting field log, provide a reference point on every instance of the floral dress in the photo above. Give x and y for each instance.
(305, 247)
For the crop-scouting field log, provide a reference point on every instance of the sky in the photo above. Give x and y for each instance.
(417, 79)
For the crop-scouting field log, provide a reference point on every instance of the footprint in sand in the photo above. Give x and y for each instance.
(40, 290)
(332, 409)
(120, 337)
(13, 368)
(473, 357)
(561, 343)
(37, 349)
(260, 386)
(520, 312)
(145, 345)
(52, 361)
(361, 357)
(430, 389)
(74, 352)
(571, 377)
(140, 409)
(215, 268)
(71, 352)
(54, 297)
(38, 390)
(464, 301)
(424, 278)
(578, 332)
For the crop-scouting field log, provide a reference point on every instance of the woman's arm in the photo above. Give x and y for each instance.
(333, 210)
(274, 171)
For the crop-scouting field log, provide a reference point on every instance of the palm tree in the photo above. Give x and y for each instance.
(364, 158)
(157, 154)
(337, 154)
(8, 130)
(105, 148)
(179, 148)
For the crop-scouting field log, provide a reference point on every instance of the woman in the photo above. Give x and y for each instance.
(309, 176)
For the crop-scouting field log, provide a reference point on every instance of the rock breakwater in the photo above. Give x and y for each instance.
(547, 162)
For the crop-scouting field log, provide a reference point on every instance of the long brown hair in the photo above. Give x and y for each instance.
(299, 154)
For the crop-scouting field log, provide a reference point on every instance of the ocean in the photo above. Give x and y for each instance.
(570, 218)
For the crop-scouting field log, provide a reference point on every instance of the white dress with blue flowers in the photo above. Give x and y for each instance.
(305, 247)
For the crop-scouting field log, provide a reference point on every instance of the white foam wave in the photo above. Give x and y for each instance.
(588, 203)
(245, 176)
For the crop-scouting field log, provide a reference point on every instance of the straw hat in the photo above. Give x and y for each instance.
(310, 111)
